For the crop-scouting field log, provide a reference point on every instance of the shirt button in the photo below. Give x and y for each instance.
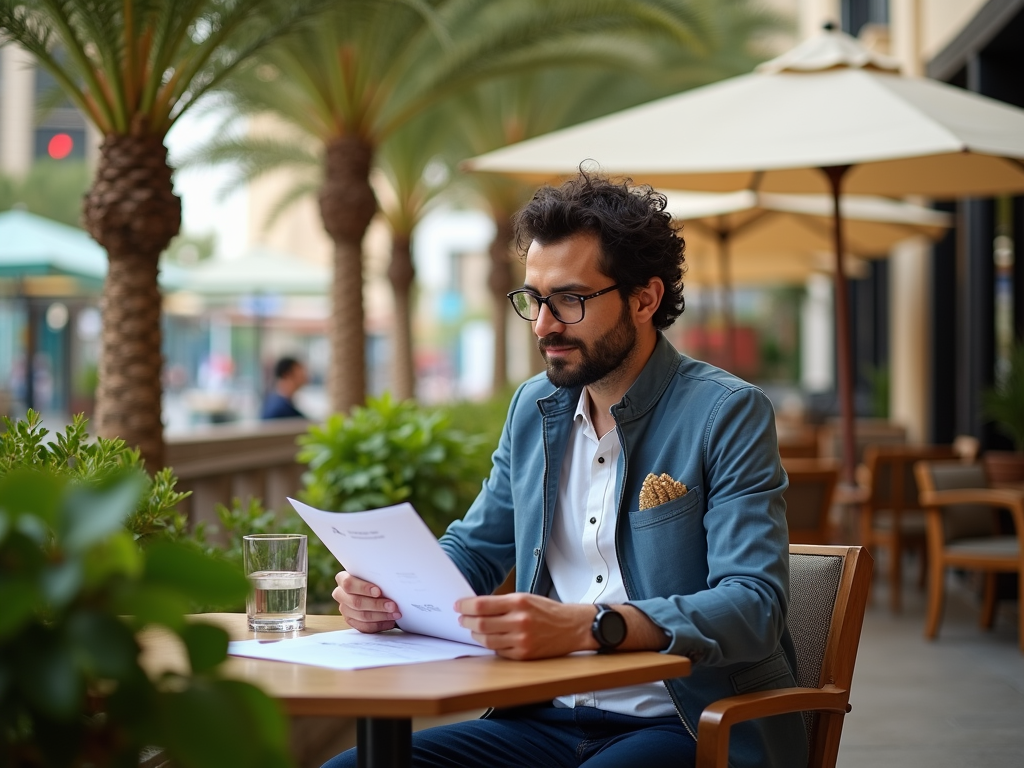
(600, 579)
(600, 459)
(593, 520)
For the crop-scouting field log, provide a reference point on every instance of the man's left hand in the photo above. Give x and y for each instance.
(525, 626)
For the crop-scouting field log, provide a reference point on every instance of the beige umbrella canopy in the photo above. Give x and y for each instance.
(765, 238)
(828, 116)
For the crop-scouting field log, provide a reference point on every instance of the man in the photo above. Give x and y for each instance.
(701, 571)
(289, 377)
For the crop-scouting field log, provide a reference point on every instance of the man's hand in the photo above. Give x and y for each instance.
(524, 626)
(363, 605)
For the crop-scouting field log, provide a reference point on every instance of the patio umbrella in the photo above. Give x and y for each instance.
(764, 238)
(828, 116)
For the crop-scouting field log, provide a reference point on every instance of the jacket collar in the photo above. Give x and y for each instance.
(639, 398)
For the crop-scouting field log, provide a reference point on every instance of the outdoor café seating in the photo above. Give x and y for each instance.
(890, 516)
(828, 595)
(809, 499)
(964, 532)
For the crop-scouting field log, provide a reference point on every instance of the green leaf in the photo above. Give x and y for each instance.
(48, 676)
(202, 579)
(217, 723)
(104, 645)
(152, 604)
(18, 596)
(207, 645)
(93, 513)
(61, 582)
(118, 555)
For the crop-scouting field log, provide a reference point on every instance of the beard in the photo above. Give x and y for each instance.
(599, 358)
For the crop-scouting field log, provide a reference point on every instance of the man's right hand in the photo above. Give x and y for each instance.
(363, 605)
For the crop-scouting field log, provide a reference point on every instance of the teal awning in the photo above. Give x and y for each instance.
(33, 246)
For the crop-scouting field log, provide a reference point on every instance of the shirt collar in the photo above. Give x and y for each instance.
(583, 412)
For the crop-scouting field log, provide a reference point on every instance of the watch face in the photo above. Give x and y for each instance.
(612, 628)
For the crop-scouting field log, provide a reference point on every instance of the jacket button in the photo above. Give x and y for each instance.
(600, 579)
(536, 552)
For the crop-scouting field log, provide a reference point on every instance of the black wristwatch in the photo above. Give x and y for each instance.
(609, 629)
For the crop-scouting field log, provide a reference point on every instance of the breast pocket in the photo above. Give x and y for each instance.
(667, 512)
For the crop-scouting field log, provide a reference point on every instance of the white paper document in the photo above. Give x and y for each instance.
(393, 548)
(349, 649)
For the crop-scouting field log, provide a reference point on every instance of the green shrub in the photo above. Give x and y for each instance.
(389, 452)
(72, 455)
(76, 589)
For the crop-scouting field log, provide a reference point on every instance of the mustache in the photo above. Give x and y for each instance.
(557, 340)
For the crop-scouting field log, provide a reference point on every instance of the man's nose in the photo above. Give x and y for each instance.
(546, 323)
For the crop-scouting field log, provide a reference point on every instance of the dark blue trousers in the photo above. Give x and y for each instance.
(543, 735)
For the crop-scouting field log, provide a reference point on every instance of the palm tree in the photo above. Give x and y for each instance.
(524, 105)
(354, 81)
(412, 176)
(133, 67)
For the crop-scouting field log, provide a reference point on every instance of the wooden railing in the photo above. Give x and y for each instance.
(218, 463)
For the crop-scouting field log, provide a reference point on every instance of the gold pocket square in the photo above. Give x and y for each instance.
(657, 490)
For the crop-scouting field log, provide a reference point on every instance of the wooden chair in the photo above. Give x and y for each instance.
(866, 432)
(828, 594)
(809, 499)
(963, 532)
(891, 517)
(798, 441)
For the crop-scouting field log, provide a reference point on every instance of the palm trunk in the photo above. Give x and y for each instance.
(402, 273)
(500, 283)
(132, 211)
(347, 204)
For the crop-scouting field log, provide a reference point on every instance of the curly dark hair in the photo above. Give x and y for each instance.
(638, 238)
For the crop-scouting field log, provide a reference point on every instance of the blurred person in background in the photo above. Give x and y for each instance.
(289, 377)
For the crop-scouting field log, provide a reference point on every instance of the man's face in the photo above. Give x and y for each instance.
(586, 352)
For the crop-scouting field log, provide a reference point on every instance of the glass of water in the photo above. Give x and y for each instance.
(275, 564)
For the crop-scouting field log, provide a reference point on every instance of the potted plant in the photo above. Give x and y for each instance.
(1004, 405)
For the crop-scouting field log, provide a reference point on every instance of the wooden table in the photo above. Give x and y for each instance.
(385, 699)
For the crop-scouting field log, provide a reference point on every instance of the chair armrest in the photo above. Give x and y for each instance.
(719, 716)
(993, 497)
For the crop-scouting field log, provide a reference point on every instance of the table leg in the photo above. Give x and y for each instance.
(383, 742)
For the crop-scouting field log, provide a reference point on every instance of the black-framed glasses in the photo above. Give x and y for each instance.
(566, 307)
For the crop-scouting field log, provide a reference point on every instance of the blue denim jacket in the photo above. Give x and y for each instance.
(710, 568)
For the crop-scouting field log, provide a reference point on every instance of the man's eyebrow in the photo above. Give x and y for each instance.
(580, 288)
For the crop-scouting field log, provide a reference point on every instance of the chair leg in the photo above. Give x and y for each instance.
(1020, 608)
(988, 601)
(936, 598)
(895, 567)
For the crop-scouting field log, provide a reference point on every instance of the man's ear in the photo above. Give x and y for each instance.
(649, 299)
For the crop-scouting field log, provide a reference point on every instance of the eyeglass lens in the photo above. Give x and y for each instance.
(566, 307)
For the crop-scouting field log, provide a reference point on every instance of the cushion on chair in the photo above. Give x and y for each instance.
(1000, 546)
(963, 520)
(813, 585)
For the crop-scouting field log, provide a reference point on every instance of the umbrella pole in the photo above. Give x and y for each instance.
(844, 362)
(728, 320)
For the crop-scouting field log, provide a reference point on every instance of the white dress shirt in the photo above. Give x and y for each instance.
(581, 553)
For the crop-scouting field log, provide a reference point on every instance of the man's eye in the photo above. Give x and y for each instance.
(565, 300)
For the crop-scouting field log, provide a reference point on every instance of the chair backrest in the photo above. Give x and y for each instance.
(797, 441)
(891, 473)
(828, 588)
(865, 432)
(959, 521)
(809, 498)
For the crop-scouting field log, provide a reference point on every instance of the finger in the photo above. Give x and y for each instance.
(370, 627)
(357, 586)
(365, 608)
(488, 605)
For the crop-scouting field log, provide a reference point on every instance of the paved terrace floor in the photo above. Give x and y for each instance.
(955, 702)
